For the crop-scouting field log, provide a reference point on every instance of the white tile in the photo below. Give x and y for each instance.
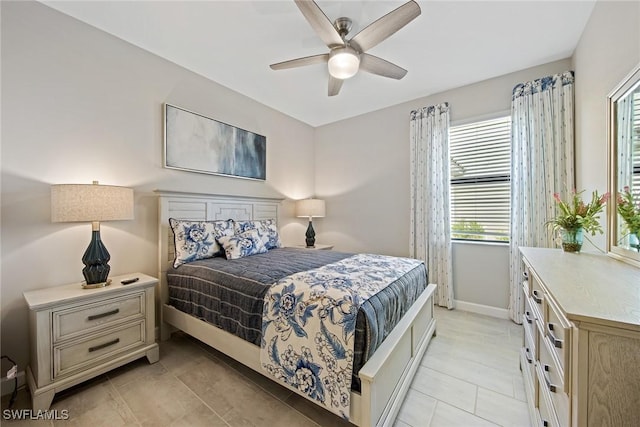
(474, 372)
(446, 388)
(502, 410)
(449, 416)
(417, 409)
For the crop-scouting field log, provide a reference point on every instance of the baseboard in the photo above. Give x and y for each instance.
(487, 310)
(7, 384)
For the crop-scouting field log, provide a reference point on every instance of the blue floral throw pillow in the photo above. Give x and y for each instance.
(243, 244)
(273, 238)
(196, 240)
(244, 225)
(266, 228)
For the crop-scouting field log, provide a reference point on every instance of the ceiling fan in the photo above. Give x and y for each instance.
(346, 57)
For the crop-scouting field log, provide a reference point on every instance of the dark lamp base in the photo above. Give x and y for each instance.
(311, 236)
(96, 260)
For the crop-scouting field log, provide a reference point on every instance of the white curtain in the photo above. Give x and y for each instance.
(542, 163)
(430, 232)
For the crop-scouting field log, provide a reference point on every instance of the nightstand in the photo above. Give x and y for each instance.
(316, 247)
(77, 334)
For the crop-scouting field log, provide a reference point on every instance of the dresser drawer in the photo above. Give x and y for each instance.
(529, 354)
(530, 324)
(90, 317)
(557, 332)
(537, 297)
(552, 379)
(545, 406)
(76, 356)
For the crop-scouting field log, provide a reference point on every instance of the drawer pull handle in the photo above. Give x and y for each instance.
(537, 298)
(525, 275)
(551, 387)
(555, 341)
(105, 314)
(105, 345)
(528, 352)
(527, 318)
(545, 423)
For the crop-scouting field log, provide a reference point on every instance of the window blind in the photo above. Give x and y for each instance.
(480, 180)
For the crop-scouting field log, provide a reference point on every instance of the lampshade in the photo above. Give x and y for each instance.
(90, 203)
(310, 208)
(343, 62)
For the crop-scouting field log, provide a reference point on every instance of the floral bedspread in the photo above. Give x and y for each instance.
(309, 321)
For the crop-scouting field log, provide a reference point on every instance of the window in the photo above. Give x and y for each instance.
(480, 180)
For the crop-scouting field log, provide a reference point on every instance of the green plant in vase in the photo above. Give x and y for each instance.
(630, 213)
(576, 217)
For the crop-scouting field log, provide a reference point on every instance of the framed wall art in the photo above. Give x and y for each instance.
(195, 143)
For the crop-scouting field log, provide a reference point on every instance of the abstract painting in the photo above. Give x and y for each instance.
(197, 143)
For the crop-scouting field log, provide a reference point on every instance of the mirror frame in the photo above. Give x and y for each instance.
(613, 249)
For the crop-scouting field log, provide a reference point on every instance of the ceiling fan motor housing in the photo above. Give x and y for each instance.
(343, 25)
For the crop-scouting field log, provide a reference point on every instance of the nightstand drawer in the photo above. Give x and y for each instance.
(86, 318)
(72, 357)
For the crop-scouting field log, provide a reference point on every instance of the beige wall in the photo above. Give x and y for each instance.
(80, 105)
(608, 50)
(362, 169)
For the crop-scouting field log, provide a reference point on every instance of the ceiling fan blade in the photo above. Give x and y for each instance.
(300, 62)
(320, 23)
(334, 85)
(373, 64)
(385, 26)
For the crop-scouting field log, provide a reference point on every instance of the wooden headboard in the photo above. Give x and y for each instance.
(203, 207)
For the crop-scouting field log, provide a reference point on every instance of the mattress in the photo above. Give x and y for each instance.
(230, 295)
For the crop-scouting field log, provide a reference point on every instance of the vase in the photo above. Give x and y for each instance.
(634, 240)
(571, 239)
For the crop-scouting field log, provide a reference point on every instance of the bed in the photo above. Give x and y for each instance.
(382, 382)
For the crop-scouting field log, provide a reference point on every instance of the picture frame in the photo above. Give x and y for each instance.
(196, 143)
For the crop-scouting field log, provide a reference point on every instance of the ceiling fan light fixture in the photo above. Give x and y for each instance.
(343, 62)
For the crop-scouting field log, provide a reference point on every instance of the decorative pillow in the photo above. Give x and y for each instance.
(244, 225)
(196, 240)
(243, 244)
(266, 229)
(273, 238)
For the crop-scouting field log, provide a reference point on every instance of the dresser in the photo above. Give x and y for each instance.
(580, 357)
(77, 334)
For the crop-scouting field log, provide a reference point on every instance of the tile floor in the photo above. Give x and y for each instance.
(468, 377)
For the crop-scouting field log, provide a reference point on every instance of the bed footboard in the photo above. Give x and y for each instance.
(386, 377)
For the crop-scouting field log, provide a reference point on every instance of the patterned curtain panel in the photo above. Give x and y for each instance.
(542, 163)
(430, 230)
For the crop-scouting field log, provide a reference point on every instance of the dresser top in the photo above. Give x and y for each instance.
(56, 295)
(589, 287)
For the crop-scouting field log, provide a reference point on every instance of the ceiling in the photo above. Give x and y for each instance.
(451, 44)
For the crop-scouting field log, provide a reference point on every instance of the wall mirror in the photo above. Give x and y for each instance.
(623, 120)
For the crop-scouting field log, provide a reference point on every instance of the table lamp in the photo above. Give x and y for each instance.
(92, 203)
(311, 208)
